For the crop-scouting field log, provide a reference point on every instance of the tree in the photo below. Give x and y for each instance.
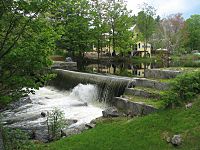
(27, 39)
(15, 16)
(171, 30)
(76, 26)
(192, 32)
(99, 26)
(157, 38)
(120, 21)
(146, 23)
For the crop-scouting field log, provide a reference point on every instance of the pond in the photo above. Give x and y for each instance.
(121, 69)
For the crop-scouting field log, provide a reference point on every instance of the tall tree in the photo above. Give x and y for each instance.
(99, 26)
(192, 30)
(76, 26)
(120, 21)
(171, 28)
(146, 23)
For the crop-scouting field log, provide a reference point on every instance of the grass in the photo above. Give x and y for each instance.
(140, 133)
(149, 101)
(150, 90)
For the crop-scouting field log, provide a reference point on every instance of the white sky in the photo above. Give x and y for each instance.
(166, 7)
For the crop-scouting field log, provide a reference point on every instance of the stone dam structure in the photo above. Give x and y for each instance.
(124, 93)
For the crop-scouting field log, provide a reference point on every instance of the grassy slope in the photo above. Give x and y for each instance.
(142, 133)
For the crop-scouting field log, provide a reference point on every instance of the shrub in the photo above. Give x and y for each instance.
(184, 88)
(55, 122)
(15, 139)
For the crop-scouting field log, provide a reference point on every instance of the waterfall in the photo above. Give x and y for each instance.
(85, 93)
(108, 86)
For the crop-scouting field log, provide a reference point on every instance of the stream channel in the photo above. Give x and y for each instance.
(80, 106)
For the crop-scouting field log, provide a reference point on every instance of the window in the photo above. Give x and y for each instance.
(135, 47)
(139, 45)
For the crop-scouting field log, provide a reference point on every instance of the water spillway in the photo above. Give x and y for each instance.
(108, 86)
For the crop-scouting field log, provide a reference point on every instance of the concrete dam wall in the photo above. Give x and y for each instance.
(108, 86)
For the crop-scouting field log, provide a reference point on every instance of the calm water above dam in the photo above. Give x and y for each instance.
(121, 69)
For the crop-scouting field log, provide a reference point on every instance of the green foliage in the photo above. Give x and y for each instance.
(119, 22)
(15, 139)
(26, 43)
(184, 88)
(85, 24)
(74, 21)
(192, 30)
(146, 22)
(55, 122)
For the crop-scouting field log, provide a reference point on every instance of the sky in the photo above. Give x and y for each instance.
(167, 7)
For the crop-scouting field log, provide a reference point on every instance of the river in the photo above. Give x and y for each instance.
(78, 104)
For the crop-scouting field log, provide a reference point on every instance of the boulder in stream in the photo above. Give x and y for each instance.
(43, 114)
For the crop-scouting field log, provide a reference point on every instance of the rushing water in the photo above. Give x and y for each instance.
(79, 104)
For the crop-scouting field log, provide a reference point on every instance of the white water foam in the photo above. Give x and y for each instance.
(71, 103)
(84, 93)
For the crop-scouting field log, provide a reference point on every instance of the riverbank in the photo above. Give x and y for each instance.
(141, 133)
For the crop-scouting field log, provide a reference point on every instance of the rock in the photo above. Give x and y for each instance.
(68, 59)
(71, 121)
(74, 130)
(23, 101)
(41, 135)
(189, 105)
(111, 112)
(85, 104)
(161, 74)
(43, 114)
(176, 140)
(131, 85)
(21, 118)
(195, 51)
(132, 108)
(81, 104)
(90, 125)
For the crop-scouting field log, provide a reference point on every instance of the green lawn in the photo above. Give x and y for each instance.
(140, 133)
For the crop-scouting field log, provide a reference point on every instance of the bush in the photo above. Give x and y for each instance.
(55, 122)
(184, 88)
(15, 139)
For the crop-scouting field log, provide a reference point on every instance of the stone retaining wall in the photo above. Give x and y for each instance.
(151, 84)
(161, 74)
(132, 108)
(64, 65)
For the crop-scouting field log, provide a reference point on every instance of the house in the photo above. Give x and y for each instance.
(138, 49)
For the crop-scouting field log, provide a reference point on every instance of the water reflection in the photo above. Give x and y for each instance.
(131, 70)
